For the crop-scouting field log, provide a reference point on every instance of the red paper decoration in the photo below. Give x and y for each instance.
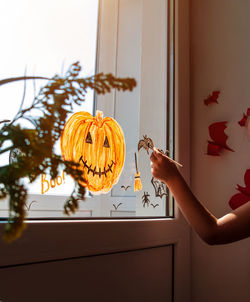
(212, 98)
(243, 197)
(217, 134)
(243, 121)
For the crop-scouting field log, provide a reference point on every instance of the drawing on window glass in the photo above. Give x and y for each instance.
(146, 143)
(125, 187)
(159, 187)
(154, 205)
(145, 199)
(116, 207)
(29, 206)
(137, 184)
(48, 183)
(98, 145)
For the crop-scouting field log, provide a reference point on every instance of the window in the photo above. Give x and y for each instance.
(43, 38)
(148, 40)
(141, 51)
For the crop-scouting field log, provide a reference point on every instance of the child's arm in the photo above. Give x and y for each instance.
(231, 227)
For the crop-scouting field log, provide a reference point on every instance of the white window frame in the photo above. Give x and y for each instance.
(62, 239)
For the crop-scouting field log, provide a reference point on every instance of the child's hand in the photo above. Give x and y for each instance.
(161, 167)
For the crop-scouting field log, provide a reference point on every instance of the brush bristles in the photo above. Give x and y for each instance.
(138, 184)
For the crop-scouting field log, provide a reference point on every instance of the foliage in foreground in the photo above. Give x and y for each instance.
(35, 145)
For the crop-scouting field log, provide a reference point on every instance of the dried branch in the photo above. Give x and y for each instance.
(36, 145)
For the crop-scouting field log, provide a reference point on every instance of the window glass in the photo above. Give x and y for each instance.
(45, 37)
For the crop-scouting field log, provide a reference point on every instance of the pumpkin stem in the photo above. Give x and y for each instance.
(99, 115)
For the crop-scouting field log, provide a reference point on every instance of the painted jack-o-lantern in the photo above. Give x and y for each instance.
(98, 144)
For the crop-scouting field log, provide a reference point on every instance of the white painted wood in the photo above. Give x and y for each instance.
(182, 143)
(130, 276)
(50, 240)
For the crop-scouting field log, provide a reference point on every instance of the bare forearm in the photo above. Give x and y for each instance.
(231, 227)
(198, 216)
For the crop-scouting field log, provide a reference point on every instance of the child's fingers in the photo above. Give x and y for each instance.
(157, 152)
(153, 157)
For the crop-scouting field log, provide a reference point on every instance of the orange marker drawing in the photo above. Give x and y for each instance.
(46, 184)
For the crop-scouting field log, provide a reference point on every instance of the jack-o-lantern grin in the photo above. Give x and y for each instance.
(100, 172)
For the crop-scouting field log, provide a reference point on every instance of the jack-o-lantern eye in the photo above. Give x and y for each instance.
(89, 138)
(106, 143)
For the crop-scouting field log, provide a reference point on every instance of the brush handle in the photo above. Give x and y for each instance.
(172, 160)
(175, 162)
(136, 163)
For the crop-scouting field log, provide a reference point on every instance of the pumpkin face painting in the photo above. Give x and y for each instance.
(98, 144)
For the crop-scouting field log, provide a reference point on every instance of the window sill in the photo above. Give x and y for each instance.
(50, 240)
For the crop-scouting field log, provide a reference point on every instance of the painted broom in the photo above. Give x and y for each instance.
(138, 184)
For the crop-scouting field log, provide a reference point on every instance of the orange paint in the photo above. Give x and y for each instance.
(98, 145)
(47, 184)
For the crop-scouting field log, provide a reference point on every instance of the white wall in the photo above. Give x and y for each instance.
(220, 59)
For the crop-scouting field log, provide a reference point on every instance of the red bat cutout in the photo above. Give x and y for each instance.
(212, 98)
(243, 121)
(243, 197)
(217, 134)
